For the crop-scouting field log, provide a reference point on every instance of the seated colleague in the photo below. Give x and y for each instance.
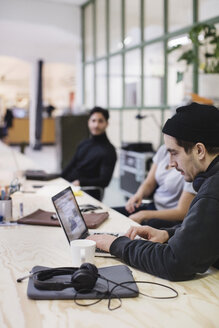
(172, 195)
(8, 118)
(94, 160)
(6, 125)
(178, 253)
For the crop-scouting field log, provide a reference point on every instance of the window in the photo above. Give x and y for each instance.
(153, 19)
(154, 74)
(132, 23)
(89, 86)
(115, 81)
(101, 83)
(132, 78)
(180, 14)
(101, 28)
(207, 9)
(88, 32)
(178, 91)
(127, 66)
(115, 31)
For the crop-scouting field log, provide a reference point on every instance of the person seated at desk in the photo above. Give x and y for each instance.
(8, 118)
(6, 125)
(179, 253)
(95, 158)
(171, 199)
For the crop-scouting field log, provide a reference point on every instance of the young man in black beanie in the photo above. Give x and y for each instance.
(192, 138)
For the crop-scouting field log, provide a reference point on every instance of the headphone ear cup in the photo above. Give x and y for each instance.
(84, 279)
(198, 181)
(90, 267)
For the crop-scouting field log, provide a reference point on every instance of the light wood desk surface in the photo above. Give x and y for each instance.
(23, 246)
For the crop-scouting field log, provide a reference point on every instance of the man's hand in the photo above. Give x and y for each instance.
(149, 233)
(143, 215)
(103, 241)
(133, 202)
(140, 216)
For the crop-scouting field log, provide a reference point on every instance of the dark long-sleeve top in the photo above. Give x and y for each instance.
(93, 162)
(192, 247)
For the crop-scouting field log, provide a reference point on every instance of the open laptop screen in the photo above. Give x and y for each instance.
(69, 215)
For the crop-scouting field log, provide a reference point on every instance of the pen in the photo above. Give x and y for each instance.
(2, 194)
(21, 210)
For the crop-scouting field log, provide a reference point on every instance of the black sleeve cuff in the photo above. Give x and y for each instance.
(118, 245)
(171, 231)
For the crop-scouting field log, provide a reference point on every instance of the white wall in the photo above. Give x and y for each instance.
(33, 30)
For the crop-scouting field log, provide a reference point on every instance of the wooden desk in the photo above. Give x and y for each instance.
(22, 247)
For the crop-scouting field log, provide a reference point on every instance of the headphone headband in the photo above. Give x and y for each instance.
(82, 279)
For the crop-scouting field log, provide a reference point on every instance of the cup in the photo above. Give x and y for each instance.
(6, 210)
(83, 251)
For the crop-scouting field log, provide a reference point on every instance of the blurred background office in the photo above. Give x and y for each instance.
(59, 58)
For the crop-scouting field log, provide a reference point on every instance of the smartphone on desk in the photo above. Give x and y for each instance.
(89, 207)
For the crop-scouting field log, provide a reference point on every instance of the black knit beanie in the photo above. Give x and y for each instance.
(195, 123)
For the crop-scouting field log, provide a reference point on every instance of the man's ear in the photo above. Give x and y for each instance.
(200, 150)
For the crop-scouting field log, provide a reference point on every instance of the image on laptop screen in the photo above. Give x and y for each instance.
(69, 215)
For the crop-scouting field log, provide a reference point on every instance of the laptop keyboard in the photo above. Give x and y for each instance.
(98, 250)
(115, 234)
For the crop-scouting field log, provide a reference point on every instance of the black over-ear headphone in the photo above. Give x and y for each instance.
(199, 179)
(82, 279)
(202, 176)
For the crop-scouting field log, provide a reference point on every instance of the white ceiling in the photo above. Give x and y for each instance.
(45, 29)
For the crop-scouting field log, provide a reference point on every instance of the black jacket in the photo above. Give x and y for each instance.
(93, 162)
(193, 246)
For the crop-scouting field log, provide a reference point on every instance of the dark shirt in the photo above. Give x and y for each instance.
(192, 247)
(93, 162)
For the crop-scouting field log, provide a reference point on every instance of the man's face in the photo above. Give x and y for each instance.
(97, 124)
(187, 164)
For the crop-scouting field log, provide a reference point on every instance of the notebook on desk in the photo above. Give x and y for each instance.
(71, 219)
(45, 218)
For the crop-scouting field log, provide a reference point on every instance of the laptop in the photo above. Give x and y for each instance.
(71, 219)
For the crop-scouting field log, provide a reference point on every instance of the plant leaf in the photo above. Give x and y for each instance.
(180, 76)
(169, 50)
(189, 56)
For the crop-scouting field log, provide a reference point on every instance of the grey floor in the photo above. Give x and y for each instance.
(47, 159)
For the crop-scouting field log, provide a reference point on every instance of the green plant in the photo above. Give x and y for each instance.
(204, 38)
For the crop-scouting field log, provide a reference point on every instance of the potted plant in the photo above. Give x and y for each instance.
(204, 38)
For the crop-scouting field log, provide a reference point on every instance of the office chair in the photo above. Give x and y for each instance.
(94, 191)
